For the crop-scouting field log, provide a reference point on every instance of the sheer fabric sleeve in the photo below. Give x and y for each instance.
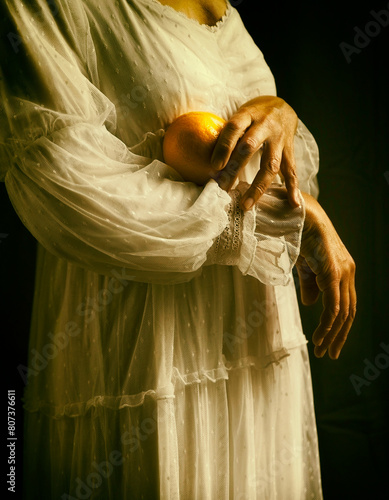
(88, 198)
(79, 189)
(272, 231)
(265, 241)
(307, 160)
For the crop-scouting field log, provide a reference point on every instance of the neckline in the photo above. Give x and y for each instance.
(213, 28)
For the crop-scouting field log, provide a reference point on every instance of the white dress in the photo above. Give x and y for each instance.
(166, 357)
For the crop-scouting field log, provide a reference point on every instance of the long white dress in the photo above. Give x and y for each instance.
(166, 357)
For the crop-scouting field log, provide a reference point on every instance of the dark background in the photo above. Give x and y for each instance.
(345, 105)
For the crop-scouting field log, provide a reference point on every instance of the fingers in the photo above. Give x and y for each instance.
(331, 309)
(228, 139)
(337, 318)
(270, 166)
(309, 290)
(330, 320)
(289, 173)
(260, 122)
(243, 150)
(327, 257)
(340, 339)
(276, 159)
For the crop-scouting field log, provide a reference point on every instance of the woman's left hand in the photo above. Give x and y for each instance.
(324, 265)
(266, 122)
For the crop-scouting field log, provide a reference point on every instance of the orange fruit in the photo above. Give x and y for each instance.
(189, 142)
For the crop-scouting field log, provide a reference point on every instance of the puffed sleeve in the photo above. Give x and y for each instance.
(306, 154)
(87, 197)
(82, 193)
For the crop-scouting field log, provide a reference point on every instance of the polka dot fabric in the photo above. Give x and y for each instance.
(157, 368)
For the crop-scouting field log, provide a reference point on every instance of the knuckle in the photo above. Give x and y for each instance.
(326, 331)
(232, 126)
(291, 179)
(273, 165)
(334, 311)
(281, 102)
(224, 177)
(258, 190)
(335, 275)
(232, 167)
(291, 173)
(270, 119)
(248, 146)
(224, 147)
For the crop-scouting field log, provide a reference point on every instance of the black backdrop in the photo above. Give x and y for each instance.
(341, 93)
(342, 96)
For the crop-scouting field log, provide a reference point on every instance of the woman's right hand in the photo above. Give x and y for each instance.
(326, 266)
(266, 122)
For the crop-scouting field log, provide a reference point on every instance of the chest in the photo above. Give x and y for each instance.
(154, 64)
(204, 11)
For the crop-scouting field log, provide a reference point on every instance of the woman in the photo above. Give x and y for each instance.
(167, 358)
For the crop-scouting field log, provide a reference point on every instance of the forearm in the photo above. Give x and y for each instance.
(326, 266)
(317, 225)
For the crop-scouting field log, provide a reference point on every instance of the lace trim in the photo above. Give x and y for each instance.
(212, 28)
(226, 248)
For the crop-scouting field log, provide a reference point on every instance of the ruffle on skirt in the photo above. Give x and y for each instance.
(82, 408)
(238, 433)
(193, 390)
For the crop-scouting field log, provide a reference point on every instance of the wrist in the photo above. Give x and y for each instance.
(317, 225)
(313, 214)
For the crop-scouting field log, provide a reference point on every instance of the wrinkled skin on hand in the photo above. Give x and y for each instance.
(267, 123)
(326, 267)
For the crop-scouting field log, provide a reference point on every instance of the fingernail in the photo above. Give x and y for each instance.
(319, 353)
(335, 355)
(247, 204)
(216, 164)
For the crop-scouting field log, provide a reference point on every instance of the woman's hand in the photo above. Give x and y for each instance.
(326, 266)
(266, 122)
